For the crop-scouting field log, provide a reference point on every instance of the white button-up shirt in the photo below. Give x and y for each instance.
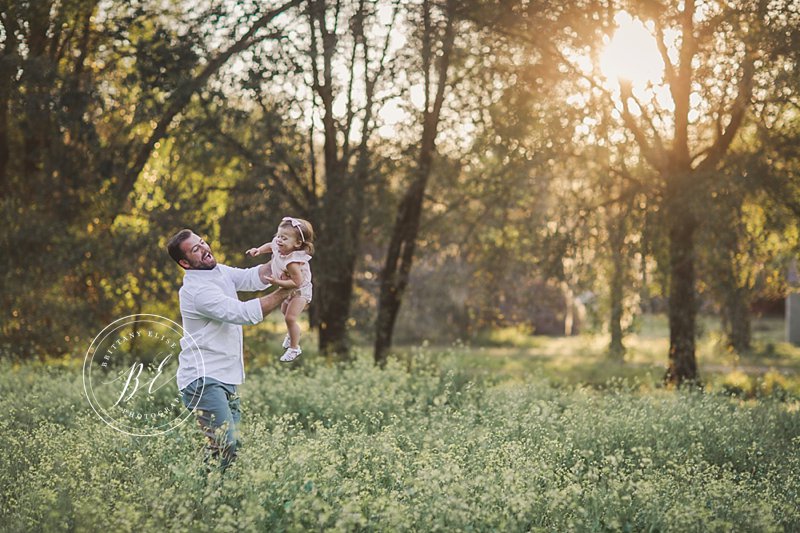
(213, 316)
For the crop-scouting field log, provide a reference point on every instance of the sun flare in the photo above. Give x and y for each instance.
(631, 54)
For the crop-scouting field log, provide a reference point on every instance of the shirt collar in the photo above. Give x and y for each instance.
(201, 274)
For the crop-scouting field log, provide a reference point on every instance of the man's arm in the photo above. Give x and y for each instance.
(248, 279)
(272, 301)
(211, 302)
(265, 272)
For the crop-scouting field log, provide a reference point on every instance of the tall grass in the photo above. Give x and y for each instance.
(411, 447)
(771, 367)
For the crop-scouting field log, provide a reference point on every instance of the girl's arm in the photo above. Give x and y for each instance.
(295, 277)
(265, 248)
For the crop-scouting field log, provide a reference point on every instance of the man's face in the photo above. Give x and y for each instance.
(198, 254)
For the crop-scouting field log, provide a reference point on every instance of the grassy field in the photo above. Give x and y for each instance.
(529, 435)
(772, 367)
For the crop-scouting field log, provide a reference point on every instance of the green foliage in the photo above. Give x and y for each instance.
(111, 140)
(90, 93)
(72, 120)
(356, 448)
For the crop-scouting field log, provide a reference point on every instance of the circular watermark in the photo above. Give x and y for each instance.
(129, 374)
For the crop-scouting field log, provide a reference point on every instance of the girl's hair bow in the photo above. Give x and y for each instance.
(296, 224)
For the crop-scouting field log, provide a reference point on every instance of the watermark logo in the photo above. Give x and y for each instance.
(129, 374)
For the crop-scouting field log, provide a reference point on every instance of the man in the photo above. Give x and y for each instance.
(212, 320)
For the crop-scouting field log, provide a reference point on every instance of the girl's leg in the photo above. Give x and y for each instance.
(294, 307)
(284, 305)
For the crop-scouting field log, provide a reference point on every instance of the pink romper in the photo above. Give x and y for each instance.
(279, 263)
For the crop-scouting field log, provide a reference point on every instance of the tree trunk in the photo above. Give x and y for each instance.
(339, 262)
(617, 233)
(682, 301)
(569, 309)
(394, 276)
(735, 297)
(342, 215)
(334, 275)
(334, 308)
(6, 73)
(737, 314)
(400, 255)
(8, 66)
(616, 349)
(337, 245)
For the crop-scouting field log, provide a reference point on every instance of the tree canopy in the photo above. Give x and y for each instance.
(467, 164)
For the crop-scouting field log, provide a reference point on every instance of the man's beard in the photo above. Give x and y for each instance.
(200, 265)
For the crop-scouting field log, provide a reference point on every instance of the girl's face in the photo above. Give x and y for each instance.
(287, 240)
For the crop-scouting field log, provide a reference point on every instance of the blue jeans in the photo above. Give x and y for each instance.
(216, 406)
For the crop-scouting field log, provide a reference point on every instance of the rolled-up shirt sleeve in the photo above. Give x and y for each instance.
(211, 302)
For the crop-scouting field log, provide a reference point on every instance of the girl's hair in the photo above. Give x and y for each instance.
(304, 234)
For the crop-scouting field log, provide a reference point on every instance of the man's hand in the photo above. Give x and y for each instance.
(282, 282)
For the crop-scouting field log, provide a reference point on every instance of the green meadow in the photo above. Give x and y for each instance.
(771, 368)
(528, 434)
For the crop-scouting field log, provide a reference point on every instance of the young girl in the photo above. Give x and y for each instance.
(291, 249)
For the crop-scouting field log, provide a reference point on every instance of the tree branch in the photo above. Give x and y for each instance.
(657, 138)
(182, 95)
(669, 68)
(259, 162)
(738, 111)
(653, 157)
(682, 87)
(358, 36)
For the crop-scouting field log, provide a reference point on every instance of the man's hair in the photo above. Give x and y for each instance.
(174, 244)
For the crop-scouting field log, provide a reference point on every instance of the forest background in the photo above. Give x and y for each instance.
(547, 167)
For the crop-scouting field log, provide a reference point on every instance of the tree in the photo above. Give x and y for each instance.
(89, 91)
(347, 164)
(436, 46)
(313, 150)
(710, 58)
